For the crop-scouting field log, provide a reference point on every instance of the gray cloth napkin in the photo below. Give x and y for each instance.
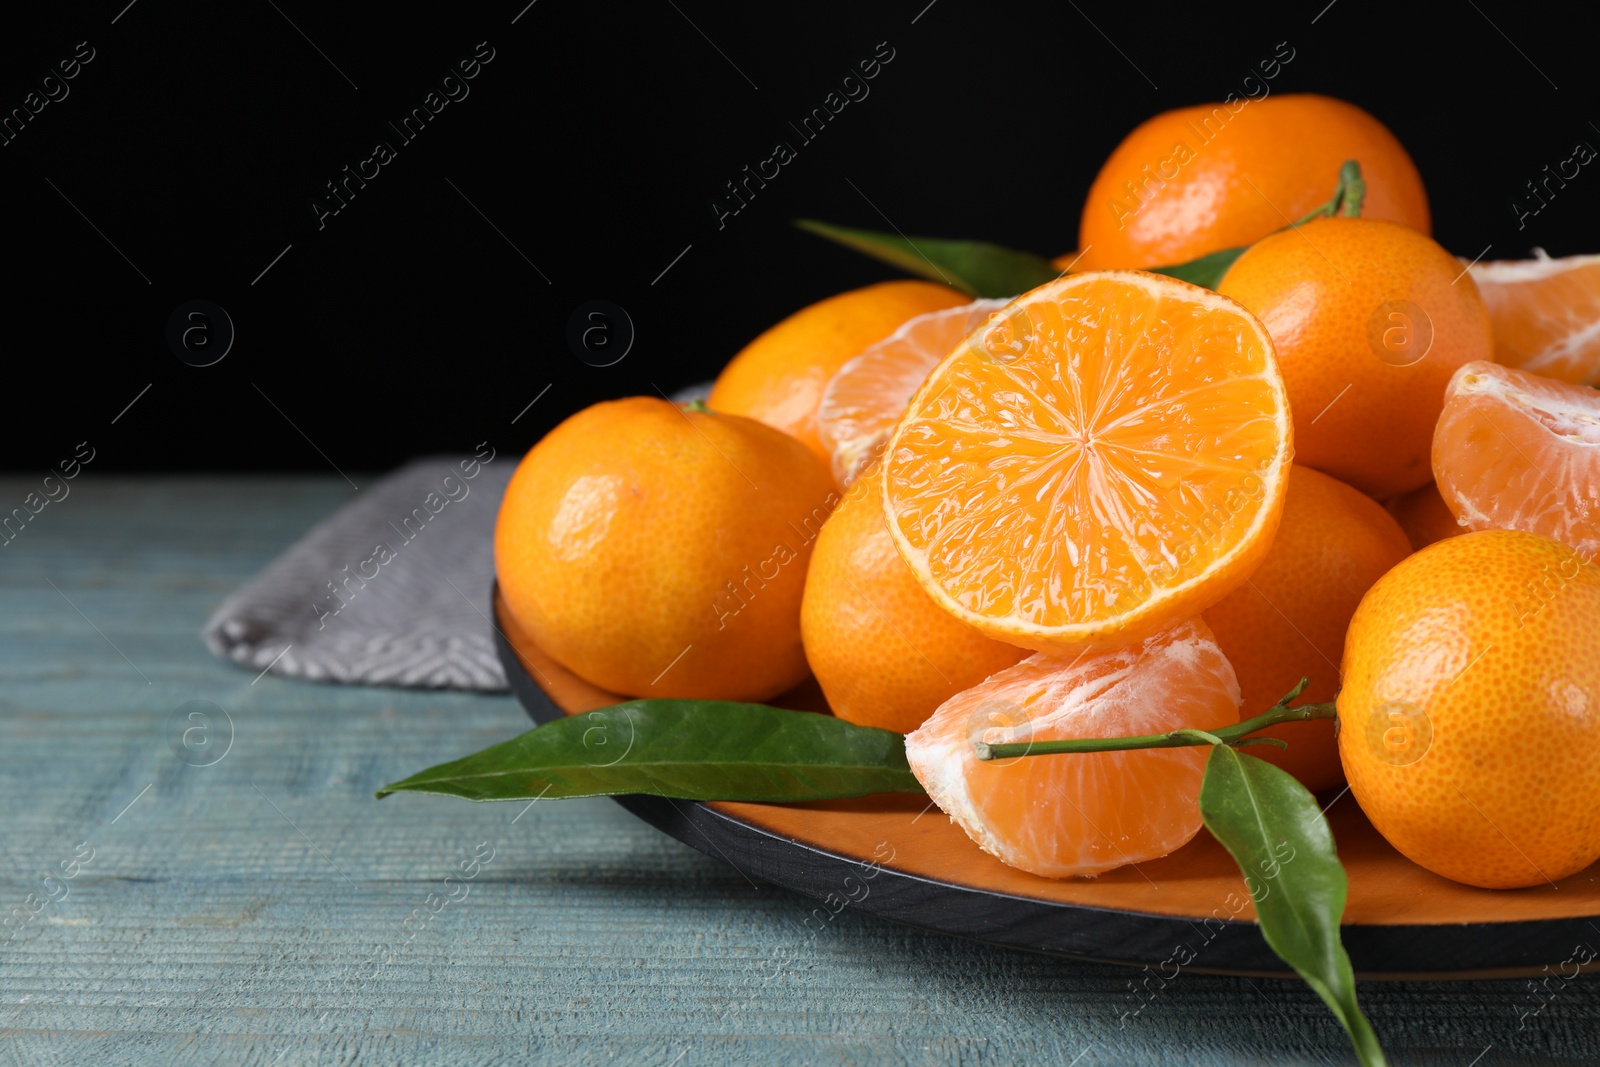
(391, 590)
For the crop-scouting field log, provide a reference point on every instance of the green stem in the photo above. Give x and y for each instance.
(1348, 196)
(1229, 735)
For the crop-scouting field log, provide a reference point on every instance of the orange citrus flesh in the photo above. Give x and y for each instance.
(865, 399)
(1103, 459)
(1545, 314)
(1081, 813)
(1468, 722)
(1517, 451)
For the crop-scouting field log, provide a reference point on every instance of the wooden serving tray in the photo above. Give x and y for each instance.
(895, 856)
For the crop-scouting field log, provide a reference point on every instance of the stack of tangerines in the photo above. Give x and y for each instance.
(1122, 504)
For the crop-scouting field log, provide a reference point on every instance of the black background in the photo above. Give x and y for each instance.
(592, 145)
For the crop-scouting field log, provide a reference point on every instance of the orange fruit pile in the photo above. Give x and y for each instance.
(1169, 495)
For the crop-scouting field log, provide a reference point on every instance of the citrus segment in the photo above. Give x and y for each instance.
(1105, 457)
(1545, 314)
(1517, 451)
(1081, 813)
(865, 399)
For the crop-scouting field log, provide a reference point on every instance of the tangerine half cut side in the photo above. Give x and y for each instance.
(1102, 459)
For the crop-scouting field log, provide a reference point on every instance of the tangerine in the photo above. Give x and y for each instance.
(660, 552)
(1369, 320)
(1199, 179)
(1424, 516)
(1469, 721)
(1288, 620)
(884, 653)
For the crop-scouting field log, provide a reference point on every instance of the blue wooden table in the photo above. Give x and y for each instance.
(244, 899)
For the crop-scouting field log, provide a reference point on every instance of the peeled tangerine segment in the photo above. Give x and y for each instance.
(867, 396)
(1517, 451)
(1081, 813)
(1103, 458)
(1545, 314)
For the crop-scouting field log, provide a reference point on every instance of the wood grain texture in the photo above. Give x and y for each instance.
(255, 910)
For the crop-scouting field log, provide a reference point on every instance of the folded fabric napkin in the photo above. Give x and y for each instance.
(392, 590)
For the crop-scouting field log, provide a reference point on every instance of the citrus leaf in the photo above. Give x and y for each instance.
(1207, 271)
(685, 749)
(1276, 833)
(976, 267)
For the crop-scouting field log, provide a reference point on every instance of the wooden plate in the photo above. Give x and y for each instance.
(894, 856)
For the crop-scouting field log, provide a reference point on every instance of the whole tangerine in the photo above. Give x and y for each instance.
(1469, 721)
(1369, 320)
(1288, 620)
(1199, 179)
(661, 552)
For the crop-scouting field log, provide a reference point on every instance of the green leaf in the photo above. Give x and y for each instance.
(1277, 835)
(976, 267)
(1206, 271)
(686, 749)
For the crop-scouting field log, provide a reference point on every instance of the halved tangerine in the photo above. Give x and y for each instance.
(1102, 459)
(1081, 813)
(867, 396)
(1518, 451)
